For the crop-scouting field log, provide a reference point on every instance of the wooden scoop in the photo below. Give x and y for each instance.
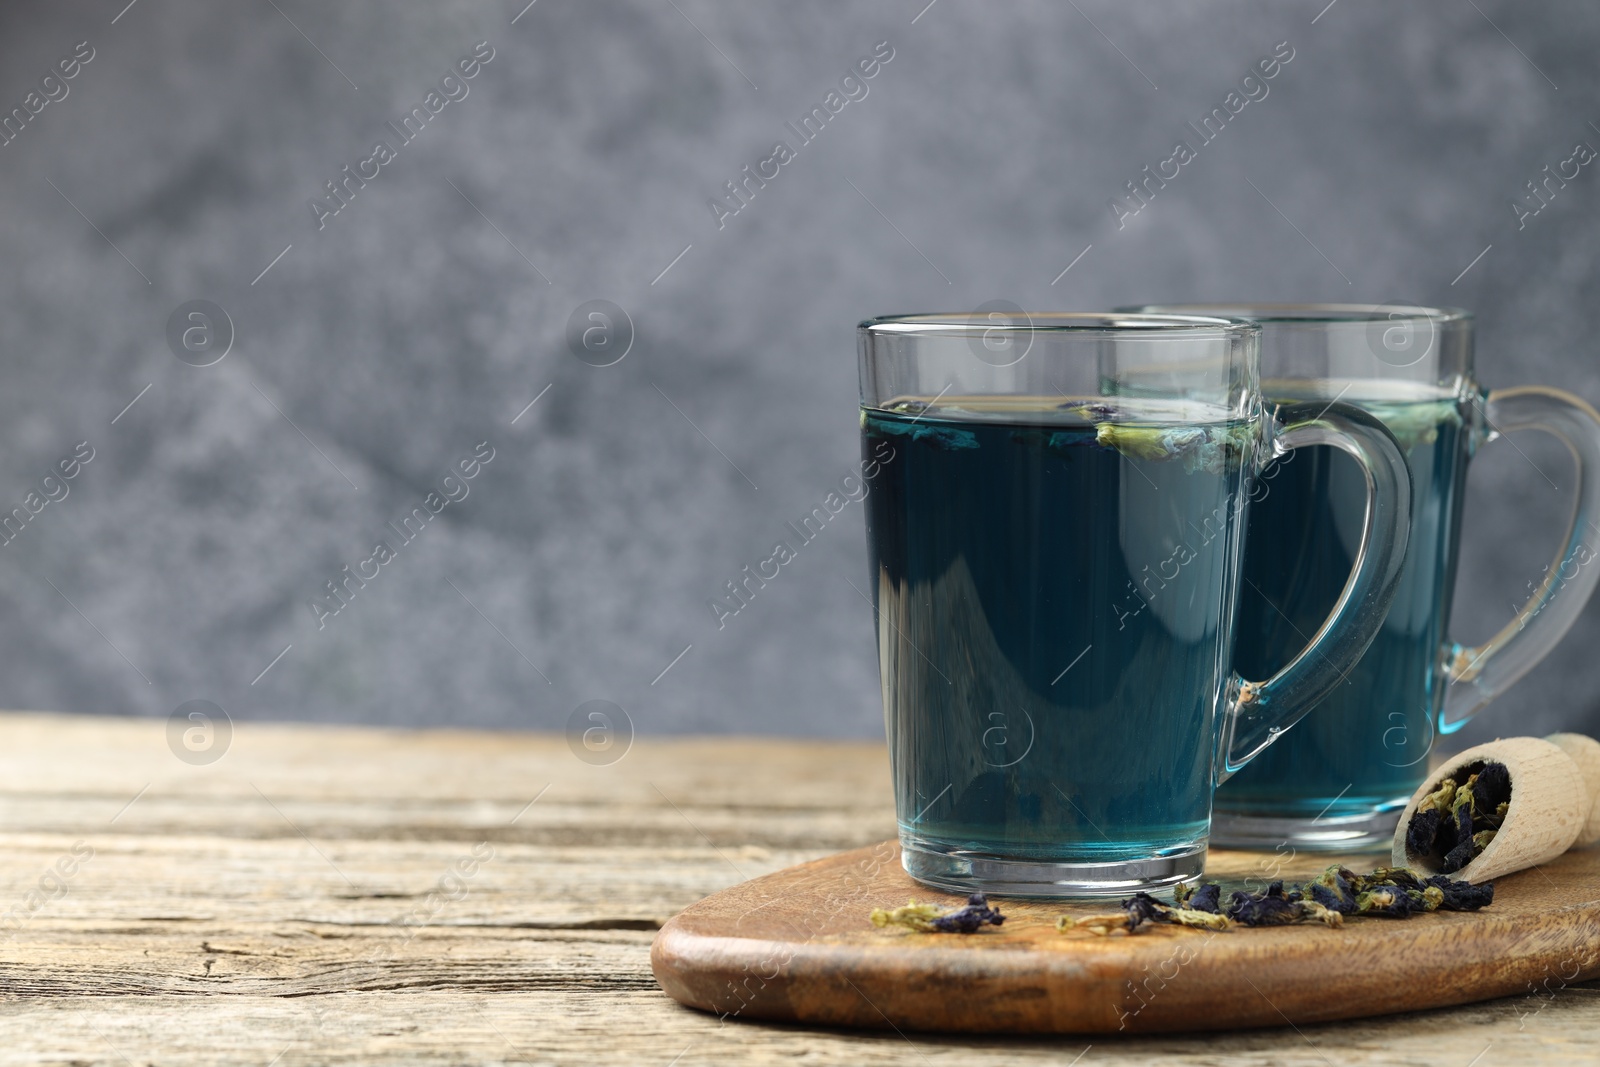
(1585, 752)
(1555, 783)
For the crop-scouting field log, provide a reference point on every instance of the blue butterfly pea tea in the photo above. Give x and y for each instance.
(1363, 749)
(1055, 512)
(1002, 551)
(1342, 778)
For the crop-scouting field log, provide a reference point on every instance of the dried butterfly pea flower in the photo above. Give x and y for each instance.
(1312, 911)
(967, 920)
(1461, 896)
(1143, 908)
(1273, 907)
(1330, 898)
(1458, 857)
(1454, 823)
(1491, 795)
(1423, 831)
(1094, 411)
(945, 437)
(1334, 889)
(1461, 808)
(1400, 876)
(1205, 920)
(1494, 786)
(1202, 448)
(1456, 835)
(1140, 910)
(1179, 916)
(1391, 901)
(1206, 898)
(1095, 924)
(1413, 424)
(1439, 800)
(1463, 815)
(1270, 907)
(1137, 910)
(931, 919)
(1392, 892)
(913, 916)
(1344, 891)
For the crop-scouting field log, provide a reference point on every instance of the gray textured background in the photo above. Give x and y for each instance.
(408, 329)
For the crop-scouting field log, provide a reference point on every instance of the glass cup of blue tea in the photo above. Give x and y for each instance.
(1343, 777)
(1056, 511)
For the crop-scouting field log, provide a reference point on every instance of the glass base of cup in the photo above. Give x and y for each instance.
(975, 872)
(1343, 833)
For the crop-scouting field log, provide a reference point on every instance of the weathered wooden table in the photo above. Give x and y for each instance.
(349, 895)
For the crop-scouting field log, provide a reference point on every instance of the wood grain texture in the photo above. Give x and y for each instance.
(796, 946)
(277, 904)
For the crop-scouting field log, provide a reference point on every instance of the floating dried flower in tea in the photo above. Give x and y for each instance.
(1200, 447)
(948, 438)
(931, 919)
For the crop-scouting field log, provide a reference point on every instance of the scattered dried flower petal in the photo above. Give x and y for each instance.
(1206, 920)
(1095, 924)
(967, 920)
(932, 919)
(1461, 896)
(1142, 910)
(1391, 901)
(913, 916)
(1207, 897)
(1270, 907)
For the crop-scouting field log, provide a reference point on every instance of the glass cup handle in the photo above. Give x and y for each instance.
(1476, 675)
(1258, 712)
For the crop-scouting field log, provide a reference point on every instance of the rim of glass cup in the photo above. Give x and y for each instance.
(956, 324)
(1311, 314)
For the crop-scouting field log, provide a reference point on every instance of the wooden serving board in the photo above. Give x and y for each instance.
(797, 946)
